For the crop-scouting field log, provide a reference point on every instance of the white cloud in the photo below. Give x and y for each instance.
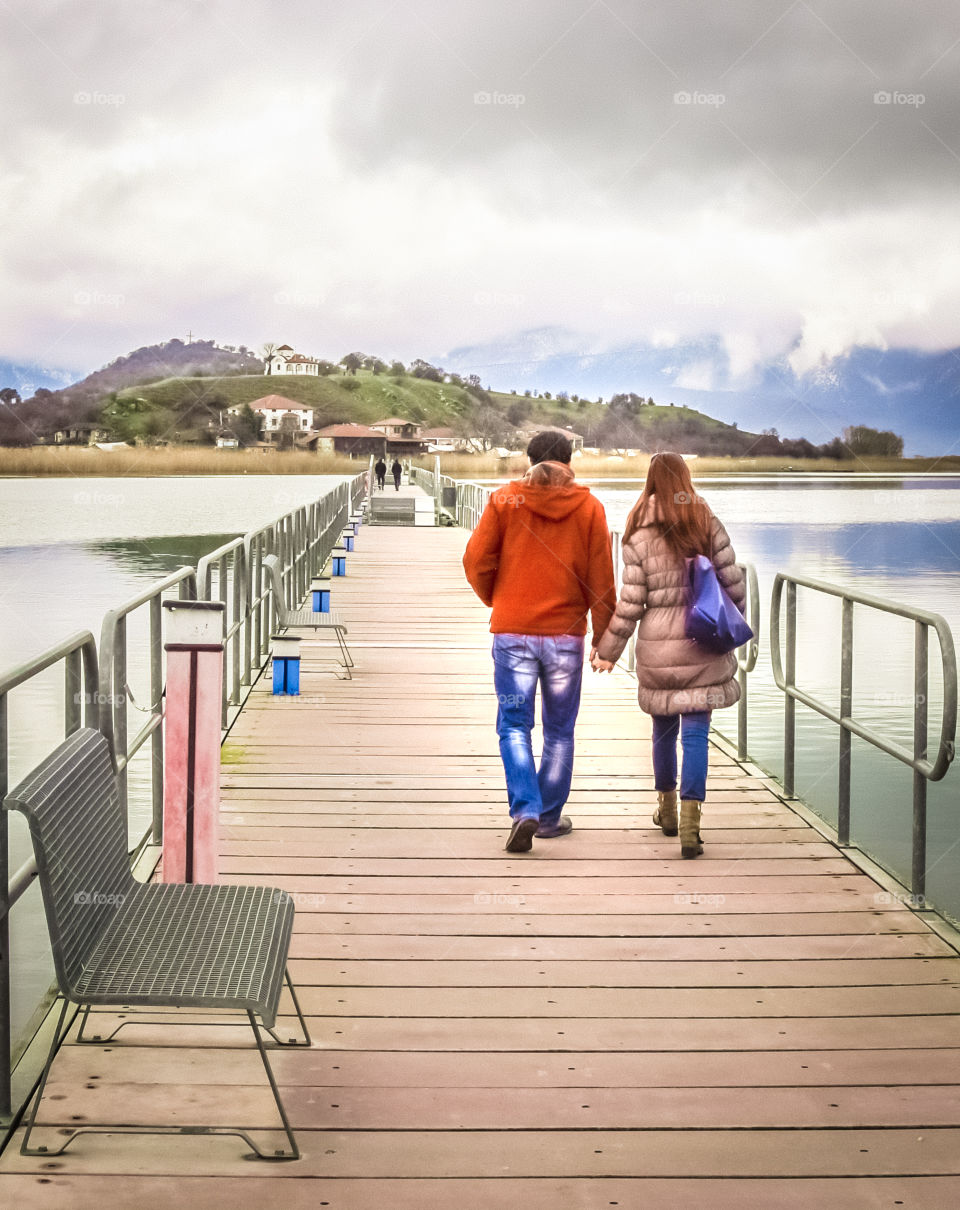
(335, 193)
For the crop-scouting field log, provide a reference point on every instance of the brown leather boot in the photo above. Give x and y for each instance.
(690, 843)
(665, 816)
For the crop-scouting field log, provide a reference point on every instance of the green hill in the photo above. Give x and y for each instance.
(363, 397)
(185, 406)
(176, 392)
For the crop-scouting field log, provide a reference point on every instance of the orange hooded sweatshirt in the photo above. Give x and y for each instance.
(540, 556)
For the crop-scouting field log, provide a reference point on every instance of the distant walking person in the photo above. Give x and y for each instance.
(540, 558)
(396, 470)
(679, 681)
(380, 470)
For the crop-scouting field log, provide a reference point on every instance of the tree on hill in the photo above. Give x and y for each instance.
(326, 368)
(9, 396)
(487, 428)
(352, 362)
(423, 369)
(863, 441)
(398, 369)
(518, 412)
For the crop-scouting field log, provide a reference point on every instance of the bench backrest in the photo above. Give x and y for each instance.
(79, 835)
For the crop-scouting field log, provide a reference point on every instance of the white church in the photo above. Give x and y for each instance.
(284, 360)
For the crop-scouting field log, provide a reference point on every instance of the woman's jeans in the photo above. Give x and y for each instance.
(520, 662)
(693, 730)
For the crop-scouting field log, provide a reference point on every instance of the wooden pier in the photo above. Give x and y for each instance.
(596, 1024)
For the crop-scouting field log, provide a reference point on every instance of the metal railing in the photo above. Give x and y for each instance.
(97, 693)
(81, 690)
(924, 769)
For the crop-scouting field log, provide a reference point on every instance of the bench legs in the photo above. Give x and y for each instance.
(345, 652)
(59, 1034)
(257, 1152)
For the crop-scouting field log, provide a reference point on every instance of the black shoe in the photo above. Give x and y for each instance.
(563, 827)
(520, 839)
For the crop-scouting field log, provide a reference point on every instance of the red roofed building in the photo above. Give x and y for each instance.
(357, 440)
(284, 360)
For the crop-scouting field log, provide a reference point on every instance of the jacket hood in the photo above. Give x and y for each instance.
(547, 489)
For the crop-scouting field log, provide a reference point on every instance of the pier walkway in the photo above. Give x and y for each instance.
(596, 1024)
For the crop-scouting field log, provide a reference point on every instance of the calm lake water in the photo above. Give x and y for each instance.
(72, 549)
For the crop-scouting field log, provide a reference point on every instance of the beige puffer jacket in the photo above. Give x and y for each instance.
(675, 675)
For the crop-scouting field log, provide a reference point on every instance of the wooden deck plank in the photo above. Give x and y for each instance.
(597, 1023)
(55, 1191)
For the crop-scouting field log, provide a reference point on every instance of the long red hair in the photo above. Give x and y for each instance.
(683, 516)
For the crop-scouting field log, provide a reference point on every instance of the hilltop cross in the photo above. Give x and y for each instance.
(189, 338)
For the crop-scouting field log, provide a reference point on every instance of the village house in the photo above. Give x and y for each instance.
(279, 417)
(446, 441)
(526, 434)
(284, 360)
(79, 433)
(355, 440)
(403, 436)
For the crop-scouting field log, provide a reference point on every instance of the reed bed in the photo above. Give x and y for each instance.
(172, 461)
(587, 466)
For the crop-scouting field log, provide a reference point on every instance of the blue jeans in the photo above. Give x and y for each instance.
(520, 662)
(693, 729)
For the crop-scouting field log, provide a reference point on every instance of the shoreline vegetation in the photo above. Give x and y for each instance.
(144, 462)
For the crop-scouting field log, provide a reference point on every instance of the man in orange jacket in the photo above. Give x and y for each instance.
(540, 558)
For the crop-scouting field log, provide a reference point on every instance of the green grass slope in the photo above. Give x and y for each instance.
(362, 398)
(183, 408)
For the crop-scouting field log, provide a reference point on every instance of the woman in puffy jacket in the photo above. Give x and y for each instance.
(680, 683)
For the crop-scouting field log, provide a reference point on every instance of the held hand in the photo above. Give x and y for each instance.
(599, 665)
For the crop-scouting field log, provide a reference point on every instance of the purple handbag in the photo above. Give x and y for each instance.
(713, 620)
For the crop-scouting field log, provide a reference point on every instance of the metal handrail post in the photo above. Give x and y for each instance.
(156, 740)
(6, 1040)
(747, 658)
(790, 705)
(918, 885)
(846, 712)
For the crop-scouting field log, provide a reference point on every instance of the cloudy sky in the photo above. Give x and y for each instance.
(412, 177)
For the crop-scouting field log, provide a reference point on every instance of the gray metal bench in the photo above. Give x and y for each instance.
(303, 619)
(117, 941)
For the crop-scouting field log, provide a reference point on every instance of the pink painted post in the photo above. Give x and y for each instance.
(191, 740)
